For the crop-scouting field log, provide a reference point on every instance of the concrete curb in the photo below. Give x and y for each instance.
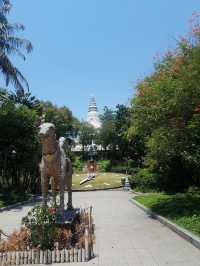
(185, 234)
(96, 189)
(137, 193)
(18, 204)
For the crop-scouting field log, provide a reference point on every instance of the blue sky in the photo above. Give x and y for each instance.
(99, 47)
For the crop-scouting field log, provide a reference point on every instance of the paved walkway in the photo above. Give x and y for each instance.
(126, 236)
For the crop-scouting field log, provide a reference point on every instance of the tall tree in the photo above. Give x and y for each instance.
(87, 133)
(11, 44)
(108, 134)
(166, 112)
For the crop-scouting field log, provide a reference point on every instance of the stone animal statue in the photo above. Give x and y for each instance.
(54, 165)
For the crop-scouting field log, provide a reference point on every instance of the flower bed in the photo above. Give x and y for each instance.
(42, 240)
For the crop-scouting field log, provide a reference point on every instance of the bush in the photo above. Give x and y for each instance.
(41, 223)
(104, 166)
(125, 167)
(119, 169)
(146, 181)
(194, 190)
(78, 164)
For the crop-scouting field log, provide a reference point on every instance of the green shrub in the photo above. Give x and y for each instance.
(78, 164)
(194, 190)
(104, 165)
(124, 167)
(41, 223)
(119, 169)
(146, 181)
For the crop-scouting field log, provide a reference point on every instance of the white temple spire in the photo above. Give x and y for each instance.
(93, 115)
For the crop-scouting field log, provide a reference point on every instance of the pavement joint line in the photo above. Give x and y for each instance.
(185, 234)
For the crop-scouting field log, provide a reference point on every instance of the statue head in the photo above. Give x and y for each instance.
(47, 131)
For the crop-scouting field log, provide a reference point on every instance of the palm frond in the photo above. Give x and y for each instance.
(19, 43)
(11, 50)
(14, 45)
(8, 28)
(12, 74)
(5, 6)
(11, 44)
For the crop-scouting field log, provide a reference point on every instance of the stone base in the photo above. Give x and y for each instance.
(70, 216)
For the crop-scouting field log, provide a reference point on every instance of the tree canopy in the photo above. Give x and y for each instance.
(166, 114)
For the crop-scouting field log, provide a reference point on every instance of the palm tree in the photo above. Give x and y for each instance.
(11, 44)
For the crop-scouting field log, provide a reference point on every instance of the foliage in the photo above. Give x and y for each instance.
(87, 133)
(8, 197)
(113, 137)
(182, 209)
(40, 231)
(122, 124)
(165, 115)
(126, 167)
(19, 147)
(27, 99)
(61, 117)
(11, 44)
(20, 150)
(145, 180)
(107, 134)
(18, 240)
(4, 96)
(78, 164)
(104, 165)
(41, 223)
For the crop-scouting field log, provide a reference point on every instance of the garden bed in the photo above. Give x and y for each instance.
(41, 239)
(182, 208)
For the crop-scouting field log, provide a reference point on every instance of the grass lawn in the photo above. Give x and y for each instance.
(182, 209)
(8, 198)
(102, 180)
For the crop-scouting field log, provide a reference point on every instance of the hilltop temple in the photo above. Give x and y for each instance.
(93, 114)
(94, 120)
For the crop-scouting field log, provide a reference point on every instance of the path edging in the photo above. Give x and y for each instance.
(96, 189)
(185, 234)
(21, 203)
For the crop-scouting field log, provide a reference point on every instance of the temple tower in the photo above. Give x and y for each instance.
(93, 114)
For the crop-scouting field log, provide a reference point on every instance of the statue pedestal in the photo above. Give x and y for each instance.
(70, 217)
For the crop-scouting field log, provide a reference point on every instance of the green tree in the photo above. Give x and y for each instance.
(87, 133)
(165, 115)
(61, 117)
(19, 148)
(107, 133)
